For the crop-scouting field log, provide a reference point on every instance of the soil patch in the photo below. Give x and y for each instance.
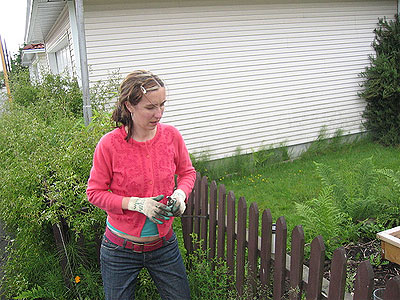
(369, 250)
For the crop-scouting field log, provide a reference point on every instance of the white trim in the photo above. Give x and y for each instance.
(61, 42)
(75, 38)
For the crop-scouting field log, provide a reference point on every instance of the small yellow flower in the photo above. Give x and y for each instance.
(77, 279)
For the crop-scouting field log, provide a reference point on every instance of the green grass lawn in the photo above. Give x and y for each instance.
(279, 186)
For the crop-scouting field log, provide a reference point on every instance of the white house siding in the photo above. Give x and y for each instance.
(243, 73)
(39, 66)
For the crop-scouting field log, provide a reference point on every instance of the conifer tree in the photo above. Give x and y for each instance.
(381, 85)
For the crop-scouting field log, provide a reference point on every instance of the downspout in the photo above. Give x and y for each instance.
(87, 108)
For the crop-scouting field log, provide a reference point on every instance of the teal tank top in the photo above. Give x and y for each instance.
(149, 228)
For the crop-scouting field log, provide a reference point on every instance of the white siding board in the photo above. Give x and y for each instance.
(291, 66)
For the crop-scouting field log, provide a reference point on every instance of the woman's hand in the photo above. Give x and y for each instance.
(150, 207)
(176, 202)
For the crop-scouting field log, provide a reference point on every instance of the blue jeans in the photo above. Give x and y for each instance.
(120, 268)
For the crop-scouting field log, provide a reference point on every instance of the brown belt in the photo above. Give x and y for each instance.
(136, 246)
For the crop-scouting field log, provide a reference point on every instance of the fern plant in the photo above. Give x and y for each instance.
(354, 191)
(347, 201)
(321, 216)
(391, 202)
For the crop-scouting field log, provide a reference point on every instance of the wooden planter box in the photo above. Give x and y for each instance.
(390, 244)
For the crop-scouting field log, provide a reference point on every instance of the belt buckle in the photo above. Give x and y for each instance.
(142, 246)
(134, 245)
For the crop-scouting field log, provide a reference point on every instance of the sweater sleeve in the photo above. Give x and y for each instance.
(184, 168)
(98, 192)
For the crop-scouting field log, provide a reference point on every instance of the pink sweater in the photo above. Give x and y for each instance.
(141, 169)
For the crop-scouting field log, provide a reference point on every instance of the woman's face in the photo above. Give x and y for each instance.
(148, 112)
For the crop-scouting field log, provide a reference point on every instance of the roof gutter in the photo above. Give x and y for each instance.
(87, 108)
(29, 11)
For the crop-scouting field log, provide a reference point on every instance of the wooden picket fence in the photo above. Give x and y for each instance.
(220, 223)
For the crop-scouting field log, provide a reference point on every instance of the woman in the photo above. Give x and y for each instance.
(134, 168)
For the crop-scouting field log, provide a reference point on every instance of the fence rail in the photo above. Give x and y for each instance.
(221, 224)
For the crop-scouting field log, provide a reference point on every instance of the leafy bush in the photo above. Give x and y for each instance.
(45, 158)
(23, 91)
(381, 86)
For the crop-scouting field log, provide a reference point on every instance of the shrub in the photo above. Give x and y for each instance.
(381, 86)
(45, 158)
(43, 162)
(23, 91)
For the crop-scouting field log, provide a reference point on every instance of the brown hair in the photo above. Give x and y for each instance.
(132, 89)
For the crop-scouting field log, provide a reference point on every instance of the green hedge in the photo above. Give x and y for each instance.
(381, 86)
(45, 159)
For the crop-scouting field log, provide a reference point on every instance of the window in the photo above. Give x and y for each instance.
(63, 61)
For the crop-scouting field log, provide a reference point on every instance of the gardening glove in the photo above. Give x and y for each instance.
(176, 202)
(150, 207)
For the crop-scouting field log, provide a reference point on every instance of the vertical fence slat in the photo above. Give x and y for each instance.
(280, 258)
(197, 209)
(317, 258)
(204, 213)
(241, 244)
(265, 254)
(213, 220)
(364, 283)
(187, 224)
(296, 263)
(338, 275)
(221, 222)
(230, 232)
(392, 290)
(253, 244)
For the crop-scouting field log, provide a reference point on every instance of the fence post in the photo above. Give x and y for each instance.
(364, 284)
(221, 222)
(296, 263)
(337, 282)
(392, 290)
(266, 242)
(230, 232)
(197, 209)
(204, 213)
(187, 222)
(213, 220)
(241, 244)
(317, 258)
(280, 259)
(253, 244)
